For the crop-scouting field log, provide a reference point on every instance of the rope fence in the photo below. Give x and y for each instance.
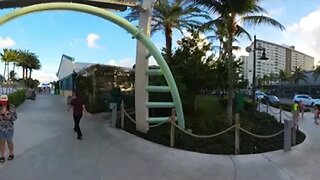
(203, 136)
(236, 126)
(261, 136)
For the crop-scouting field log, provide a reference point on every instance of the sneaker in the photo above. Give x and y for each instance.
(79, 138)
(2, 159)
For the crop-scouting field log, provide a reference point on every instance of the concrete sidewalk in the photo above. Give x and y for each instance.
(47, 149)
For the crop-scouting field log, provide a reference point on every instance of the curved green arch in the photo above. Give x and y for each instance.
(153, 50)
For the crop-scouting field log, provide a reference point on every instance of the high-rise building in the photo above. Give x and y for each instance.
(281, 57)
(245, 61)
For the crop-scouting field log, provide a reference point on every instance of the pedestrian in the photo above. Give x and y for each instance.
(295, 114)
(69, 98)
(78, 109)
(316, 114)
(302, 108)
(7, 116)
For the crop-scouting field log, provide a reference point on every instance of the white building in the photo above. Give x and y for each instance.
(245, 66)
(281, 57)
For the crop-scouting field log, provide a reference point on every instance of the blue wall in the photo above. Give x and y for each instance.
(66, 83)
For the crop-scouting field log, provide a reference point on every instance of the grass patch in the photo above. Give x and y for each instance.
(208, 118)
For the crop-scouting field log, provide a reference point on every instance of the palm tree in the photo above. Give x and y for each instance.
(23, 61)
(33, 64)
(230, 13)
(170, 14)
(316, 73)
(283, 76)
(298, 74)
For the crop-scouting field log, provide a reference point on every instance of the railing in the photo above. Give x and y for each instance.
(289, 130)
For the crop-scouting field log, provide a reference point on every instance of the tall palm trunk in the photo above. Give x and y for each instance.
(231, 29)
(29, 79)
(168, 34)
(4, 72)
(26, 77)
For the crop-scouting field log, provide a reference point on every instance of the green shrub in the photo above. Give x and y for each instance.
(18, 97)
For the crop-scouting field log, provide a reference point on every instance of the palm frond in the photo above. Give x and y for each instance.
(258, 20)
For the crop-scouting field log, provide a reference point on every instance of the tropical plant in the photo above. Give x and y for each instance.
(191, 66)
(316, 73)
(8, 55)
(172, 14)
(230, 14)
(297, 75)
(283, 77)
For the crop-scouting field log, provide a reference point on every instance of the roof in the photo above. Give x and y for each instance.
(62, 58)
(78, 66)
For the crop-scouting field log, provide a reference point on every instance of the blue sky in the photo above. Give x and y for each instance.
(90, 39)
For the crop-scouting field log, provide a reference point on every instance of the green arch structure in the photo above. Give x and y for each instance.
(137, 33)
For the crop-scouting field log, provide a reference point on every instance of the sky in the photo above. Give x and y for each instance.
(88, 38)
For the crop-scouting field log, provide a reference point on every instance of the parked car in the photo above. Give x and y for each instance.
(259, 95)
(306, 99)
(271, 99)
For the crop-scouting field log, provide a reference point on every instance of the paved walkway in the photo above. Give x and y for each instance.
(47, 149)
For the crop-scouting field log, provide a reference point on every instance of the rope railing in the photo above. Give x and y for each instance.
(275, 113)
(202, 136)
(236, 126)
(288, 116)
(128, 115)
(260, 136)
(159, 124)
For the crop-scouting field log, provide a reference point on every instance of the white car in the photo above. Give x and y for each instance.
(259, 95)
(306, 99)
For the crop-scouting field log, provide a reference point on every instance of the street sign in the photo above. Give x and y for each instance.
(120, 5)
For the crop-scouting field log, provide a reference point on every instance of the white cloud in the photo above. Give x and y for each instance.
(305, 34)
(6, 42)
(92, 40)
(276, 12)
(44, 77)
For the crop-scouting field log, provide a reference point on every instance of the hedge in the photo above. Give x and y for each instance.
(18, 97)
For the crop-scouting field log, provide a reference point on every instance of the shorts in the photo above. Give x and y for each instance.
(7, 135)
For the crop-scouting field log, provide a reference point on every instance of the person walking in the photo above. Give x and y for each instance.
(295, 113)
(316, 114)
(78, 109)
(7, 116)
(302, 108)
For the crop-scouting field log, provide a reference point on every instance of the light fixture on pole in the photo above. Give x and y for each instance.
(263, 57)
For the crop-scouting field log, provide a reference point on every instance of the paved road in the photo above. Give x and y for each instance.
(47, 149)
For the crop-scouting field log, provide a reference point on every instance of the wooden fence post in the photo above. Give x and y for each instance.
(122, 114)
(172, 130)
(237, 134)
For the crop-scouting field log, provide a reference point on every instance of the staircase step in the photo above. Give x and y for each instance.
(154, 72)
(157, 119)
(160, 104)
(158, 89)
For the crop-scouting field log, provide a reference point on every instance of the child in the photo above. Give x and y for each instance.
(316, 115)
(302, 108)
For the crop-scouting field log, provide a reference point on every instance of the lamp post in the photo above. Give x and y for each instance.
(263, 57)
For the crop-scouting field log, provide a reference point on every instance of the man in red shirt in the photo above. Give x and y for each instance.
(78, 109)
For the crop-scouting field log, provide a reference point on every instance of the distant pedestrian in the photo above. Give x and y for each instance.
(316, 115)
(78, 109)
(295, 114)
(7, 116)
(302, 108)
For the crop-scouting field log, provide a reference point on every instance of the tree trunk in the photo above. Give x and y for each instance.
(4, 72)
(231, 30)
(168, 34)
(26, 77)
(29, 79)
(230, 84)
